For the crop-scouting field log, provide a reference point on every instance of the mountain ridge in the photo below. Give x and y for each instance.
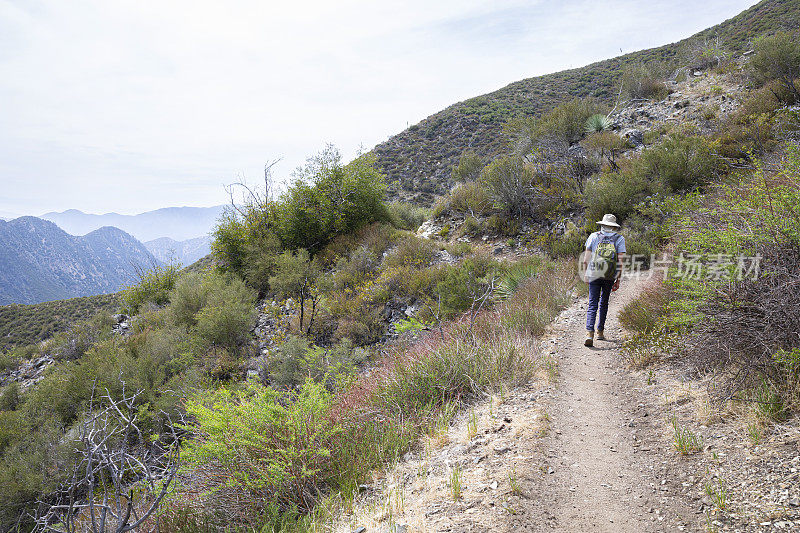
(41, 262)
(185, 252)
(177, 223)
(417, 161)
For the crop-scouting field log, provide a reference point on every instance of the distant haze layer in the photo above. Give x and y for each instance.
(177, 223)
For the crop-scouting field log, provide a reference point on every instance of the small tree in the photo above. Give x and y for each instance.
(328, 199)
(296, 274)
(777, 57)
(704, 53)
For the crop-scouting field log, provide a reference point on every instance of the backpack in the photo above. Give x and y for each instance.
(604, 258)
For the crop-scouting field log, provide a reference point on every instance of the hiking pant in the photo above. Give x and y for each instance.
(599, 291)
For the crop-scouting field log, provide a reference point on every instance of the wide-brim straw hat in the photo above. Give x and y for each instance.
(608, 220)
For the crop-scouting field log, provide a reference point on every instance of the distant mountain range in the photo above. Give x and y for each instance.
(178, 223)
(185, 252)
(40, 261)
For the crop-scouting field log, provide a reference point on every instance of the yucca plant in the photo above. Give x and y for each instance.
(514, 279)
(597, 123)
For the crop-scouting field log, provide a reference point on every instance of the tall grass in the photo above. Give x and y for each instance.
(645, 317)
(641, 315)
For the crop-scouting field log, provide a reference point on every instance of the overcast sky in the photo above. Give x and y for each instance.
(128, 106)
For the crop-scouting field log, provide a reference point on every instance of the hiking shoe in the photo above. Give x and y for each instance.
(600, 335)
(589, 339)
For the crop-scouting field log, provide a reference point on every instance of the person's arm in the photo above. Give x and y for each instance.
(622, 250)
(587, 255)
(620, 262)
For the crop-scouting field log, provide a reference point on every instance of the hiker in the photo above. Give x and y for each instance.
(605, 250)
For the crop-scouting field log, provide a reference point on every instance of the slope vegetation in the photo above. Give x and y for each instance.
(418, 161)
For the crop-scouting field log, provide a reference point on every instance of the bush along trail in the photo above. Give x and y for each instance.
(584, 447)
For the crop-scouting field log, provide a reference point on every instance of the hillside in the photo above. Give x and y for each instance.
(41, 262)
(418, 161)
(179, 223)
(185, 252)
(21, 325)
(431, 369)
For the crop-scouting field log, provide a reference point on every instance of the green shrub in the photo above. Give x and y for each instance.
(225, 326)
(376, 237)
(9, 360)
(465, 284)
(231, 236)
(328, 199)
(22, 466)
(567, 121)
(509, 183)
(470, 198)
(285, 367)
(639, 248)
(643, 313)
(226, 319)
(644, 81)
(297, 360)
(412, 251)
(407, 216)
(264, 447)
(153, 287)
(75, 342)
(10, 397)
(777, 57)
(569, 245)
(459, 249)
(11, 426)
(261, 260)
(471, 227)
(189, 296)
(468, 168)
(615, 192)
(681, 162)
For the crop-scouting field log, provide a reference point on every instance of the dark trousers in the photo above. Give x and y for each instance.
(599, 291)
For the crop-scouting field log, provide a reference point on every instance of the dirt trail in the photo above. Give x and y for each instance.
(605, 454)
(587, 452)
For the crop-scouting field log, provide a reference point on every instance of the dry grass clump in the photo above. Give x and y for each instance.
(641, 315)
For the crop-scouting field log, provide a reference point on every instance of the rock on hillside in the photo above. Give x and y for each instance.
(41, 262)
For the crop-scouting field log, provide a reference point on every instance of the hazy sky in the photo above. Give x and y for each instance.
(127, 106)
